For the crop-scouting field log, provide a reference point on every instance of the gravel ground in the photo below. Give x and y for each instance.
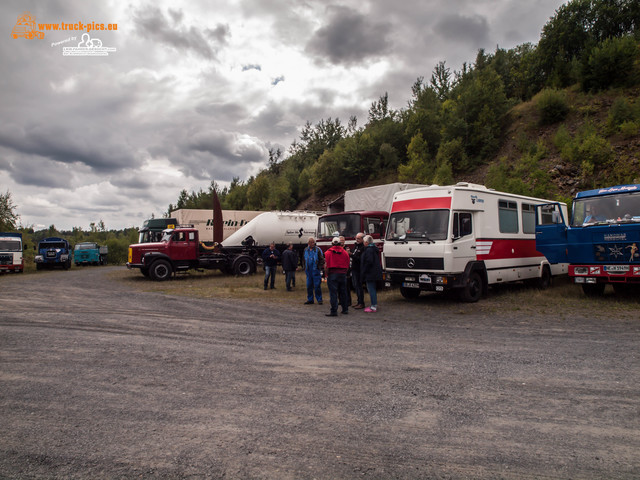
(101, 380)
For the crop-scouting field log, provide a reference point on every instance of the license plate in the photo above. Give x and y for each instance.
(617, 268)
(411, 285)
(439, 288)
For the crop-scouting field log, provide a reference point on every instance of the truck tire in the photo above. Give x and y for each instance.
(243, 265)
(409, 293)
(544, 281)
(160, 270)
(472, 291)
(593, 289)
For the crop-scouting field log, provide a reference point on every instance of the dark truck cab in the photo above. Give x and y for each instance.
(180, 250)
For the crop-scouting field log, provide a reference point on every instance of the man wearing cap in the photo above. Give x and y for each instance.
(337, 264)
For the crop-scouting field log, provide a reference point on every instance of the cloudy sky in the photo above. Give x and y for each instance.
(196, 91)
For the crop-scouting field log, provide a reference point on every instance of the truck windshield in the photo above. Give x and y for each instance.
(86, 246)
(10, 246)
(56, 245)
(347, 225)
(429, 225)
(622, 208)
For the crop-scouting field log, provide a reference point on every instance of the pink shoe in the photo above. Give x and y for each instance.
(370, 310)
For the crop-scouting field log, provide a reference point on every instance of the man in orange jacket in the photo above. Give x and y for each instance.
(337, 264)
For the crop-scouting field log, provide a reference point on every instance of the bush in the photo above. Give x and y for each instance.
(621, 111)
(552, 105)
(595, 149)
(629, 129)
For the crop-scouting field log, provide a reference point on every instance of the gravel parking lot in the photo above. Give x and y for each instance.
(99, 379)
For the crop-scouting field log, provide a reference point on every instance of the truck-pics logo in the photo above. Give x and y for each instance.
(26, 27)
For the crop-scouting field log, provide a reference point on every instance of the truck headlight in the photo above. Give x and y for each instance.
(581, 271)
(39, 258)
(63, 258)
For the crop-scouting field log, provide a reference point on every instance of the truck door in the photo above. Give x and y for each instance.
(551, 232)
(463, 240)
(182, 248)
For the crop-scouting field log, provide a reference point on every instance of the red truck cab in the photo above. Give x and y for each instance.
(348, 224)
(178, 250)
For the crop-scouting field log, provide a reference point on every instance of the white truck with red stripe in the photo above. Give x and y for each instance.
(463, 237)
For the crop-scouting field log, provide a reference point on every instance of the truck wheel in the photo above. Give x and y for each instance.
(66, 265)
(243, 265)
(409, 293)
(38, 266)
(160, 270)
(544, 281)
(593, 289)
(472, 291)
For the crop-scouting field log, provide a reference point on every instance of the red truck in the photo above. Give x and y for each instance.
(180, 250)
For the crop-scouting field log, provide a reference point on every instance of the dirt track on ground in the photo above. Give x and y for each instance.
(98, 380)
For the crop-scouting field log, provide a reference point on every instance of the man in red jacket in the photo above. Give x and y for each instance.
(336, 265)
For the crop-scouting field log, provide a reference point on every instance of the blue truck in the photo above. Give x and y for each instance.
(89, 253)
(600, 242)
(53, 252)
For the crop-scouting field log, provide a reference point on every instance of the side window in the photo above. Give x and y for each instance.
(549, 214)
(192, 236)
(372, 226)
(462, 225)
(528, 218)
(508, 216)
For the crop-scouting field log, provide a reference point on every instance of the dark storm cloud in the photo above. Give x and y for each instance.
(251, 67)
(153, 24)
(349, 37)
(90, 146)
(277, 80)
(466, 29)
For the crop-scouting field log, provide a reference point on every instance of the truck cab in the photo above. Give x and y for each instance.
(11, 259)
(601, 240)
(89, 253)
(177, 249)
(52, 252)
(348, 224)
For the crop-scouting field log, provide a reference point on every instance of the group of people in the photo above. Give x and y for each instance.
(363, 263)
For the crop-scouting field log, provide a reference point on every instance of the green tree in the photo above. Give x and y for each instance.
(8, 217)
(421, 167)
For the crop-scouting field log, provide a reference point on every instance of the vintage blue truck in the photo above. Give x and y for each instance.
(90, 253)
(53, 252)
(600, 242)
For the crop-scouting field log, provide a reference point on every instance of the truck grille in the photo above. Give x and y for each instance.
(414, 263)
(6, 259)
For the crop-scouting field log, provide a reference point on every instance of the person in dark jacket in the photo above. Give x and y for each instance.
(270, 257)
(371, 271)
(290, 265)
(337, 264)
(356, 277)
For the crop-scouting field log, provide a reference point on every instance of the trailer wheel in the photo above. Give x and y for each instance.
(243, 265)
(593, 289)
(160, 270)
(472, 291)
(409, 293)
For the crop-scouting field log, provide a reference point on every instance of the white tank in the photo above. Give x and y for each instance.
(279, 227)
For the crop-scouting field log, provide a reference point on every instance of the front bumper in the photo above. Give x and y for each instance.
(426, 281)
